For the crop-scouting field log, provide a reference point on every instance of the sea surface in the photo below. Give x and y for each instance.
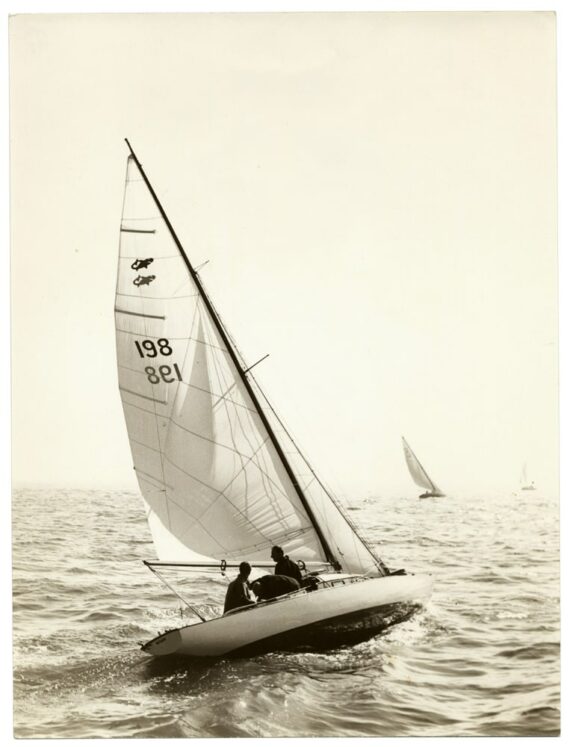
(481, 659)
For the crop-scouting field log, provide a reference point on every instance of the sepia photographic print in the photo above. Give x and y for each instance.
(284, 395)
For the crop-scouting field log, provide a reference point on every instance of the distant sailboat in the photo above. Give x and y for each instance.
(525, 484)
(419, 475)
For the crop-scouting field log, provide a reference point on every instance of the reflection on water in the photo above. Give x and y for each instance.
(482, 658)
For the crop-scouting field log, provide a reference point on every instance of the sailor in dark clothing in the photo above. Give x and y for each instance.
(268, 587)
(284, 566)
(238, 594)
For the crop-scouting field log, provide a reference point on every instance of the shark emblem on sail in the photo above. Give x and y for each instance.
(142, 264)
(143, 280)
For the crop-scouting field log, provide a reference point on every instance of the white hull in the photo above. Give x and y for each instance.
(342, 613)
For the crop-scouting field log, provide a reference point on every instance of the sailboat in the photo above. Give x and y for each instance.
(221, 477)
(419, 475)
(525, 484)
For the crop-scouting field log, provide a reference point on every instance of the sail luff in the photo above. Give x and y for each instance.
(234, 357)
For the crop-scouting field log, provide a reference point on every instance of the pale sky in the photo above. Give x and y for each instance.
(375, 194)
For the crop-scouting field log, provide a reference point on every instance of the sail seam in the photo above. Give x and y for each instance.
(170, 419)
(266, 480)
(219, 396)
(223, 384)
(159, 298)
(147, 478)
(149, 336)
(198, 519)
(279, 513)
(222, 492)
(137, 313)
(144, 396)
(142, 409)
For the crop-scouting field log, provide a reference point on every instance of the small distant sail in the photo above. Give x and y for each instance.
(525, 484)
(418, 473)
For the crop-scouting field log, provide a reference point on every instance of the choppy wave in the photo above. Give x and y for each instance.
(481, 659)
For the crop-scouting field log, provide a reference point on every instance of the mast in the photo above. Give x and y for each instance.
(242, 374)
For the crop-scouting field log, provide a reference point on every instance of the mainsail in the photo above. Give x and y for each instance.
(418, 473)
(220, 475)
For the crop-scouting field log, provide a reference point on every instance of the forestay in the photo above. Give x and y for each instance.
(212, 477)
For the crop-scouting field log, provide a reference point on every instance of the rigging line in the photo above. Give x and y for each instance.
(274, 500)
(221, 493)
(214, 347)
(256, 362)
(223, 395)
(263, 468)
(278, 539)
(147, 478)
(170, 421)
(144, 396)
(282, 517)
(334, 501)
(196, 320)
(185, 281)
(233, 449)
(155, 449)
(190, 606)
(267, 482)
(188, 514)
(147, 412)
(193, 521)
(222, 382)
(221, 329)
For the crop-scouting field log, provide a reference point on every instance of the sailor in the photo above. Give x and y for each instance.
(268, 587)
(238, 594)
(284, 566)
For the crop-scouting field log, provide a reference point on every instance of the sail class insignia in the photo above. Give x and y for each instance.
(142, 264)
(143, 280)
